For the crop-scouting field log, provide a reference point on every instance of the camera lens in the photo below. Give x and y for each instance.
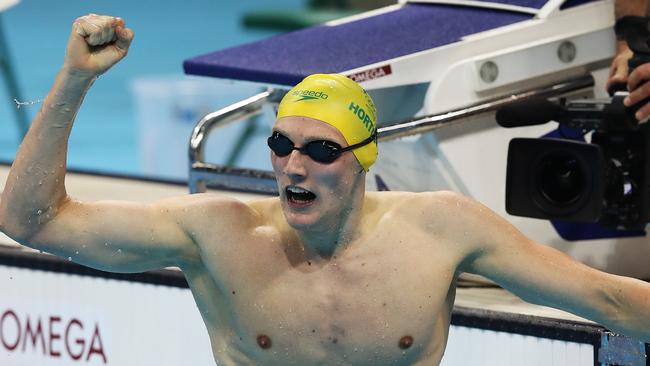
(561, 178)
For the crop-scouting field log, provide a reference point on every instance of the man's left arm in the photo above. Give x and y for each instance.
(545, 276)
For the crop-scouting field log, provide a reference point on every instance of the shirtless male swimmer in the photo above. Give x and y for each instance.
(326, 274)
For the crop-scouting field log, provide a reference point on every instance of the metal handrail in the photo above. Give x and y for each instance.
(221, 176)
(263, 181)
(225, 116)
(428, 123)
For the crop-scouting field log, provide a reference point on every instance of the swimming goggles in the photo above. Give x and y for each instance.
(321, 151)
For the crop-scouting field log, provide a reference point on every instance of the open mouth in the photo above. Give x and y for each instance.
(300, 196)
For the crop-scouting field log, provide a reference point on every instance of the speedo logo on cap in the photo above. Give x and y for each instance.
(309, 95)
(362, 115)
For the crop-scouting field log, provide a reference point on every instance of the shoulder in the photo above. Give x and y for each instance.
(461, 213)
(446, 214)
(425, 204)
(474, 227)
(210, 209)
(202, 201)
(419, 208)
(452, 205)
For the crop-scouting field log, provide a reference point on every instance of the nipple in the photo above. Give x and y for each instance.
(264, 341)
(406, 342)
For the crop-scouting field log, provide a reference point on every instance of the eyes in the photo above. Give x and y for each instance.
(322, 151)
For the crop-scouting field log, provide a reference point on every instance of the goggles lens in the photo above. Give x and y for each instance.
(322, 151)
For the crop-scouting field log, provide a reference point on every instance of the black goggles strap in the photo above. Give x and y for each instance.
(371, 138)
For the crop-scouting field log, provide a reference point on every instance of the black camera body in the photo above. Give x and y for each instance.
(606, 181)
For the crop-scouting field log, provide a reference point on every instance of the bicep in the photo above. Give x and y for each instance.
(537, 273)
(545, 276)
(117, 236)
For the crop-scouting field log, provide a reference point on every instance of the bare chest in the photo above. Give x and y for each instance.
(370, 307)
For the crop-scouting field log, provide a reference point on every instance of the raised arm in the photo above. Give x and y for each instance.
(542, 275)
(35, 208)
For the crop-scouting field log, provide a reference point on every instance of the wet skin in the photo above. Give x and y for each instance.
(276, 282)
(277, 296)
(349, 278)
(379, 301)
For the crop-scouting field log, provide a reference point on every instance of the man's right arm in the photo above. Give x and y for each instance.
(35, 208)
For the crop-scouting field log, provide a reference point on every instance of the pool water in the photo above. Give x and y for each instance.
(106, 137)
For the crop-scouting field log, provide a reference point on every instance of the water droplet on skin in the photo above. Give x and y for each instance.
(119, 251)
(39, 212)
(69, 258)
(76, 252)
(40, 182)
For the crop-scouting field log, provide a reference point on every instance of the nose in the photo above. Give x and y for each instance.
(295, 166)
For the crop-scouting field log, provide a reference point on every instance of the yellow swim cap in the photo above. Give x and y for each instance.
(340, 102)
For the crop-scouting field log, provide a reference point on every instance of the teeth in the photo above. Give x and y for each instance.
(297, 190)
(297, 194)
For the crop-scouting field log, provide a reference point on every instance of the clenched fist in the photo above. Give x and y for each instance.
(96, 43)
